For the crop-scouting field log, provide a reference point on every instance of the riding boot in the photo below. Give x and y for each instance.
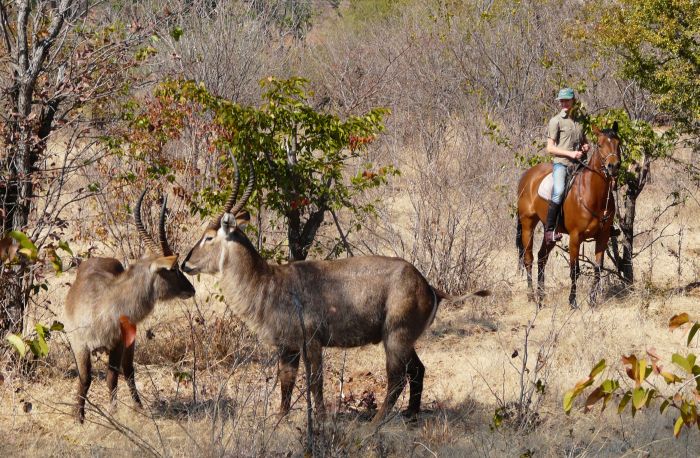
(550, 235)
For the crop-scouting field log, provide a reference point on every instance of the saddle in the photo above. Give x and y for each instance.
(546, 185)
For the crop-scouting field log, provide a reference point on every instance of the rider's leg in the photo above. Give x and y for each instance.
(559, 178)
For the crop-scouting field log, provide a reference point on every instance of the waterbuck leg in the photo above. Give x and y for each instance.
(82, 358)
(397, 360)
(416, 372)
(315, 354)
(113, 368)
(287, 374)
(130, 374)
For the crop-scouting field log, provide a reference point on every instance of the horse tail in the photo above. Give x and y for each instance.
(520, 245)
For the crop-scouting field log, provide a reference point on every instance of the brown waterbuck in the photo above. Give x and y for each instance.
(106, 302)
(342, 303)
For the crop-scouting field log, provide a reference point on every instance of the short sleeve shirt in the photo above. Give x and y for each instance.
(567, 133)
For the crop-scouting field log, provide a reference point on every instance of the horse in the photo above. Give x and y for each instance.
(588, 211)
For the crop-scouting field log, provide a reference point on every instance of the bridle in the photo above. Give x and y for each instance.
(610, 180)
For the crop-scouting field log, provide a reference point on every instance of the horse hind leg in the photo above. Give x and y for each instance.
(526, 233)
(574, 270)
(596, 290)
(542, 257)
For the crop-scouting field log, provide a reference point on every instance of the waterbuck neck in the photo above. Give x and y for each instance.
(133, 293)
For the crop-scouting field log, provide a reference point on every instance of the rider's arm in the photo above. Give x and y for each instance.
(554, 150)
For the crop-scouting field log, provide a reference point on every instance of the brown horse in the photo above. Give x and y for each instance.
(588, 211)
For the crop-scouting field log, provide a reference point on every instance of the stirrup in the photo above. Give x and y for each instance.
(614, 231)
(551, 237)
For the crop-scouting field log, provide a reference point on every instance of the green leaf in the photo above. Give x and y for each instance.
(64, 246)
(670, 378)
(27, 246)
(569, 397)
(639, 397)
(664, 405)
(18, 344)
(610, 386)
(598, 368)
(693, 331)
(176, 33)
(57, 326)
(623, 402)
(682, 362)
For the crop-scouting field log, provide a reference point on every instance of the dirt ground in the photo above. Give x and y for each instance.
(210, 389)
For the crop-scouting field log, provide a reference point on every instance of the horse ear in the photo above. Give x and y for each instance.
(596, 130)
(614, 127)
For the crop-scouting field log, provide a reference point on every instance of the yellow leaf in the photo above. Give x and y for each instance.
(677, 427)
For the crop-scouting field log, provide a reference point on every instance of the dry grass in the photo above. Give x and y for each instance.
(210, 389)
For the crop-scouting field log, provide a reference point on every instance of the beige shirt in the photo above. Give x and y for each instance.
(567, 133)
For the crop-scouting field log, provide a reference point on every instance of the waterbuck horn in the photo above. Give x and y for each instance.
(248, 190)
(142, 230)
(234, 192)
(162, 235)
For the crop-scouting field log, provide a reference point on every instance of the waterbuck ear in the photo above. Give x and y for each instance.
(228, 223)
(614, 127)
(165, 262)
(596, 131)
(242, 219)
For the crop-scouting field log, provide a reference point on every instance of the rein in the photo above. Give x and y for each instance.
(603, 173)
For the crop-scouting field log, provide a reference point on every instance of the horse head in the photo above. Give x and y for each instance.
(609, 151)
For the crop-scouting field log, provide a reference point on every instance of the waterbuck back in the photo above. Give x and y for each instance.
(107, 301)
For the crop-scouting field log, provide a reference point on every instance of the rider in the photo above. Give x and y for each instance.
(566, 141)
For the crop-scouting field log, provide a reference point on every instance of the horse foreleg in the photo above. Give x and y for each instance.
(601, 244)
(574, 270)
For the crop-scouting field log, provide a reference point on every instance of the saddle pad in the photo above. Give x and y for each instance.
(546, 185)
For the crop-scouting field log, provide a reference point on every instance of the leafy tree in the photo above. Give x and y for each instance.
(300, 155)
(659, 44)
(647, 372)
(641, 147)
(61, 62)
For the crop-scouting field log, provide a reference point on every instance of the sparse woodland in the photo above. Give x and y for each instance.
(387, 127)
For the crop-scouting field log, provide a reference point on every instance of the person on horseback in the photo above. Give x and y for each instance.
(567, 143)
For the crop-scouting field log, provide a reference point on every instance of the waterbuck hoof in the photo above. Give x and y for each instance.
(410, 415)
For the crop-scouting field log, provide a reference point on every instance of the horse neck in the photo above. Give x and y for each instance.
(597, 188)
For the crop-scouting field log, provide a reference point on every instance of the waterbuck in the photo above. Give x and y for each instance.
(106, 302)
(344, 303)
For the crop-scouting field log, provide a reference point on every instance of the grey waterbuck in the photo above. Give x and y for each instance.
(344, 303)
(106, 302)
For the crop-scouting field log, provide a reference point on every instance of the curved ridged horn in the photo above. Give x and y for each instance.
(248, 190)
(162, 235)
(139, 226)
(234, 192)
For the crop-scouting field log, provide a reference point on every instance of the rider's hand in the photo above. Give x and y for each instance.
(576, 155)
(585, 147)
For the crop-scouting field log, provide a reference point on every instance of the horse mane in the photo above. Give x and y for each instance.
(610, 133)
